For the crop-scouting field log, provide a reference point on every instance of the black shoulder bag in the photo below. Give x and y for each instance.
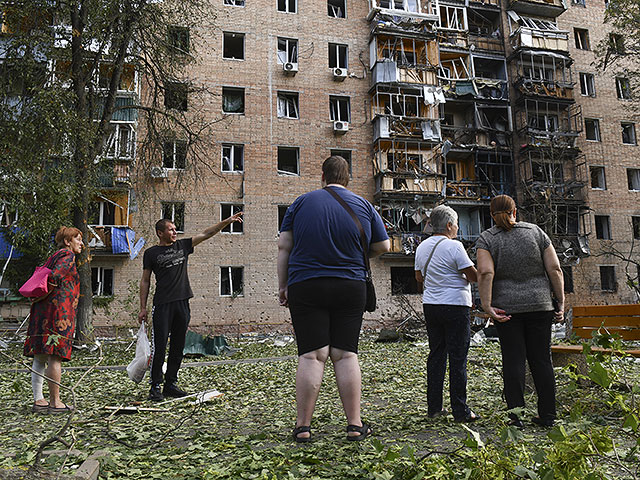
(370, 304)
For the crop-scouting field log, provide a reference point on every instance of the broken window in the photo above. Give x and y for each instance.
(623, 88)
(408, 5)
(174, 211)
(603, 227)
(538, 72)
(628, 133)
(287, 50)
(567, 273)
(587, 84)
(102, 281)
(546, 122)
(282, 211)
(121, 143)
(547, 172)
(288, 160)
(178, 38)
(232, 100)
(231, 281)
(127, 77)
(592, 129)
(226, 210)
(633, 179)
(288, 105)
(288, 6)
(608, 278)
(174, 154)
(453, 18)
(337, 8)
(338, 55)
(598, 179)
(616, 43)
(567, 221)
(232, 157)
(346, 154)
(234, 3)
(581, 37)
(233, 46)
(340, 109)
(635, 224)
(102, 212)
(175, 96)
(403, 281)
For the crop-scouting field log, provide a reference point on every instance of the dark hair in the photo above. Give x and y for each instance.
(336, 170)
(502, 207)
(65, 234)
(161, 225)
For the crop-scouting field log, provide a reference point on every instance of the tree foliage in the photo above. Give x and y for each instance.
(70, 73)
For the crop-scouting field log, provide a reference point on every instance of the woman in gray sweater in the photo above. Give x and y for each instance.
(519, 274)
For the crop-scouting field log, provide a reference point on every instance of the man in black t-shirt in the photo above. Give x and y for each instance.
(171, 314)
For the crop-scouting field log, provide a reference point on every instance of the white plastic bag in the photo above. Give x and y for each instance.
(140, 363)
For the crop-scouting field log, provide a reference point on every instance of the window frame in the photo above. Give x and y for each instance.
(234, 228)
(230, 270)
(633, 179)
(174, 153)
(183, 45)
(178, 89)
(632, 130)
(282, 148)
(233, 3)
(233, 147)
(114, 143)
(635, 226)
(226, 90)
(337, 47)
(172, 218)
(224, 45)
(287, 4)
(100, 280)
(614, 286)
(336, 110)
(290, 102)
(334, 7)
(290, 53)
(596, 130)
(587, 84)
(581, 38)
(623, 88)
(600, 169)
(603, 227)
(339, 152)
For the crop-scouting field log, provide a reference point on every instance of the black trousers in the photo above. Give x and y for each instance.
(527, 337)
(449, 335)
(169, 320)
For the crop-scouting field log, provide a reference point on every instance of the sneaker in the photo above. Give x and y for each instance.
(155, 394)
(172, 390)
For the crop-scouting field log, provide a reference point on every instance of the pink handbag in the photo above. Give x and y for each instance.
(37, 285)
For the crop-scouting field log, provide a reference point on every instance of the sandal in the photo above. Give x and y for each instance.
(299, 430)
(35, 408)
(363, 432)
(65, 409)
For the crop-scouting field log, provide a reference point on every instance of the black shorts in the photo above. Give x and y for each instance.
(327, 311)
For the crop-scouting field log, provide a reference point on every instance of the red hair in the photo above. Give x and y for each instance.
(65, 234)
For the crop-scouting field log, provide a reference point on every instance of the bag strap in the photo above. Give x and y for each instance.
(363, 239)
(52, 259)
(426, 265)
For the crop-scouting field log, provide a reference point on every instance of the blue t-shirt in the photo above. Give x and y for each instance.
(326, 240)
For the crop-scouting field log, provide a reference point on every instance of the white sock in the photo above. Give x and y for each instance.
(39, 363)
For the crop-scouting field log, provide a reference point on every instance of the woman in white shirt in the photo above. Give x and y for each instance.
(445, 270)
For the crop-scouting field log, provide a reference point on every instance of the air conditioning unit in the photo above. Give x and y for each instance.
(340, 126)
(339, 74)
(159, 172)
(290, 67)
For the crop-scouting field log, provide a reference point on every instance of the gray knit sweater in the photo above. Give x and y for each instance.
(520, 283)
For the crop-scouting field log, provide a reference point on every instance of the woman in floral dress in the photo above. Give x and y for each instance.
(53, 320)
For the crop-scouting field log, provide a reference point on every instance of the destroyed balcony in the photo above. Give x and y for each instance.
(410, 12)
(544, 8)
(114, 173)
(481, 88)
(114, 240)
(525, 37)
(553, 174)
(390, 126)
(487, 43)
(468, 190)
(547, 123)
(408, 184)
(472, 137)
(453, 39)
(483, 4)
(388, 71)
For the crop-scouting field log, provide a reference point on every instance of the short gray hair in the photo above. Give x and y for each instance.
(441, 216)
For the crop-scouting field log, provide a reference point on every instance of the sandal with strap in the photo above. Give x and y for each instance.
(299, 430)
(363, 432)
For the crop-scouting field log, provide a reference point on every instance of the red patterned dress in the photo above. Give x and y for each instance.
(53, 320)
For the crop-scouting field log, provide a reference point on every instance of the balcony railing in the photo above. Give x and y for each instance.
(393, 183)
(543, 8)
(526, 37)
(468, 190)
(487, 43)
(388, 126)
(462, 137)
(388, 71)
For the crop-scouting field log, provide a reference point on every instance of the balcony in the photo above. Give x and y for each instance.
(389, 126)
(114, 240)
(388, 71)
(487, 43)
(525, 37)
(398, 12)
(544, 8)
(550, 124)
(408, 184)
(468, 190)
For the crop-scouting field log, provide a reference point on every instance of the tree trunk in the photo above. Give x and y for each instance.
(84, 316)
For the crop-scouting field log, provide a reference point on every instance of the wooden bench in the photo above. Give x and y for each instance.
(623, 320)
